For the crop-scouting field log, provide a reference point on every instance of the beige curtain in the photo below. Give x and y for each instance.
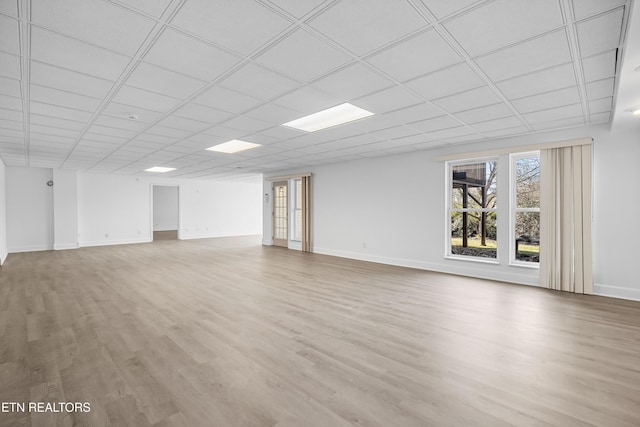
(306, 213)
(565, 219)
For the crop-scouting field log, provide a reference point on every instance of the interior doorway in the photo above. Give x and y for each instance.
(165, 216)
(280, 214)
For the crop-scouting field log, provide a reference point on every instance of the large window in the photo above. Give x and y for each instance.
(525, 207)
(473, 209)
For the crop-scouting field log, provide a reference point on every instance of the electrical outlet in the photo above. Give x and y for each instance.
(364, 245)
(106, 235)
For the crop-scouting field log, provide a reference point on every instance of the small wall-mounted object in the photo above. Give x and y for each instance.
(50, 183)
(266, 198)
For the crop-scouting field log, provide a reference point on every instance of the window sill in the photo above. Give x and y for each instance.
(473, 259)
(530, 265)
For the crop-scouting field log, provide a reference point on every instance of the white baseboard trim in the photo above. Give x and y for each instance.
(3, 257)
(64, 246)
(616, 292)
(440, 268)
(112, 242)
(267, 242)
(34, 248)
(184, 236)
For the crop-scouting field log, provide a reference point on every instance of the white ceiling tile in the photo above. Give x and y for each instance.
(120, 123)
(184, 124)
(109, 131)
(227, 100)
(144, 99)
(449, 133)
(413, 114)
(559, 124)
(540, 81)
(64, 99)
(224, 132)
(361, 25)
(554, 114)
(152, 7)
(241, 25)
(10, 124)
(541, 52)
(155, 79)
(247, 124)
(11, 133)
(386, 100)
(584, 8)
(600, 105)
(601, 33)
(503, 123)
(123, 111)
(503, 22)
(297, 8)
(166, 132)
(10, 87)
(9, 8)
(352, 82)
(600, 117)
(544, 101)
(439, 123)
(9, 41)
(105, 139)
(15, 115)
(258, 82)
(37, 119)
(58, 78)
(49, 139)
(48, 130)
(473, 98)
(74, 55)
(302, 57)
(203, 114)
(59, 112)
(482, 114)
(281, 132)
(415, 57)
(393, 133)
(94, 21)
(308, 100)
(600, 88)
(9, 65)
(272, 113)
(518, 130)
(599, 66)
(444, 8)
(10, 103)
(458, 78)
(190, 56)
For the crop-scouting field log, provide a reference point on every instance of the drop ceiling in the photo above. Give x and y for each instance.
(197, 73)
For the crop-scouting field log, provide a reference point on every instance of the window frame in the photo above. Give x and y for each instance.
(514, 209)
(449, 165)
(294, 203)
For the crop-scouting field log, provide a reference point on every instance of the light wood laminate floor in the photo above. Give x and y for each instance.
(225, 332)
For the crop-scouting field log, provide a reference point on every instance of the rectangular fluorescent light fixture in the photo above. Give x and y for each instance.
(334, 116)
(233, 146)
(159, 169)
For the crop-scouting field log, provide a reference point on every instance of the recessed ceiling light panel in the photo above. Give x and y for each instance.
(159, 169)
(233, 146)
(334, 116)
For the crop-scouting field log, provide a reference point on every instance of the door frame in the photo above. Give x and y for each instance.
(151, 185)
(279, 242)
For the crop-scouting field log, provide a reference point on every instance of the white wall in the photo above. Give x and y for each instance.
(3, 214)
(117, 209)
(216, 209)
(29, 209)
(165, 208)
(391, 210)
(65, 209)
